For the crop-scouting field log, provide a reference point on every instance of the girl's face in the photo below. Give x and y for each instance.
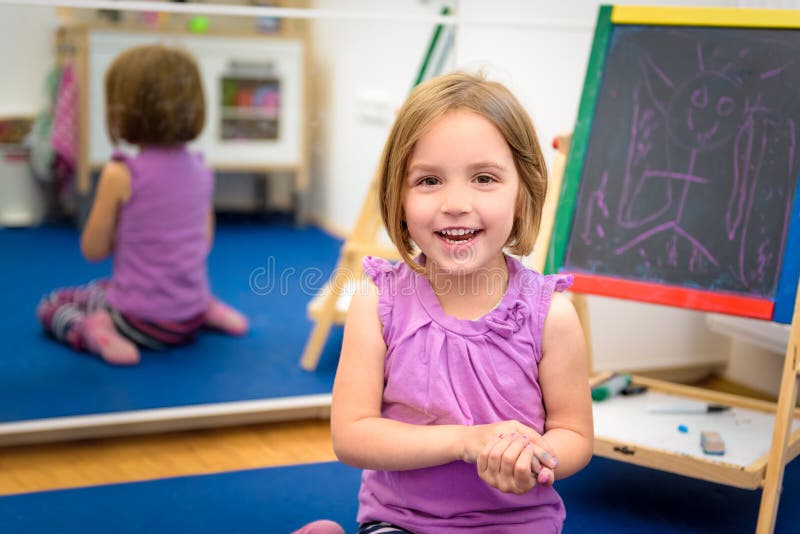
(460, 194)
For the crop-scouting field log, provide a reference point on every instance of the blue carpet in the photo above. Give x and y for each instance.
(265, 501)
(606, 497)
(40, 378)
(610, 496)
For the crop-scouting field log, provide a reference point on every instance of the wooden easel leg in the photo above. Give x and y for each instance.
(787, 399)
(776, 463)
(581, 304)
(316, 341)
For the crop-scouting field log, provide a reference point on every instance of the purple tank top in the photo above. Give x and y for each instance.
(161, 242)
(442, 370)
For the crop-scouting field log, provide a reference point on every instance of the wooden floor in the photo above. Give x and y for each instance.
(104, 461)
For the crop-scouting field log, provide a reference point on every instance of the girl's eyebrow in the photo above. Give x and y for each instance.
(487, 165)
(422, 167)
(481, 165)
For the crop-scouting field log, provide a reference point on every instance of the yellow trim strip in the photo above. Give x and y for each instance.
(706, 16)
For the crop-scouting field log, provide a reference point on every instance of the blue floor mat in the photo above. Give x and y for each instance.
(270, 270)
(606, 497)
(273, 500)
(610, 496)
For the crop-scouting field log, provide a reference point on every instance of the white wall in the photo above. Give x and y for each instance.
(26, 55)
(354, 62)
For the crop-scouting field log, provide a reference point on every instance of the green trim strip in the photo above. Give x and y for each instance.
(437, 33)
(580, 139)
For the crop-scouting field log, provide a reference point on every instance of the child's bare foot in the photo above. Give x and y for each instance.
(102, 338)
(220, 316)
(321, 526)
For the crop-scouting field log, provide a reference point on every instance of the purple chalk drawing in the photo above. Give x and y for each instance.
(597, 200)
(707, 112)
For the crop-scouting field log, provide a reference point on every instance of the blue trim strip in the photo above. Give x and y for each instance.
(790, 270)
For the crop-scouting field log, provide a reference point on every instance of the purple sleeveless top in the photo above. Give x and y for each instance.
(442, 370)
(161, 242)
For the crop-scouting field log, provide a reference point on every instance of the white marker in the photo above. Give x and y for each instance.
(686, 407)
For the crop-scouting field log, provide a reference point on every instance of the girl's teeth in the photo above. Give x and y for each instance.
(457, 235)
(458, 231)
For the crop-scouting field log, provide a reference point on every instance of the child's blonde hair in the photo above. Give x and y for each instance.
(473, 92)
(154, 96)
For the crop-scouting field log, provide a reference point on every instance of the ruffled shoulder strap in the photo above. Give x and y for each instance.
(562, 282)
(552, 283)
(384, 274)
(129, 162)
(537, 290)
(121, 156)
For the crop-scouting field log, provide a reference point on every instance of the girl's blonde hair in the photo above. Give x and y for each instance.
(154, 96)
(473, 92)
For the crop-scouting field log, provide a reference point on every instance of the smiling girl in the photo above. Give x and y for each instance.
(462, 386)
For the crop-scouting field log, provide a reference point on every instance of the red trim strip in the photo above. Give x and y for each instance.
(709, 301)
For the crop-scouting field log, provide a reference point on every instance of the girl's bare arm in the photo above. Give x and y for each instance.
(113, 190)
(564, 379)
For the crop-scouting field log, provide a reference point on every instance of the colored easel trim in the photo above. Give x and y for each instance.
(790, 269)
(580, 140)
(673, 296)
(706, 16)
(437, 33)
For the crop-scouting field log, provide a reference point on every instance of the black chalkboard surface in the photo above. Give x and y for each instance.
(691, 165)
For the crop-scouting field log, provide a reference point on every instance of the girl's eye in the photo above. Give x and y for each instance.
(484, 179)
(429, 180)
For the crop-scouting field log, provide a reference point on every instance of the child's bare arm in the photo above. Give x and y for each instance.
(113, 189)
(564, 379)
(361, 437)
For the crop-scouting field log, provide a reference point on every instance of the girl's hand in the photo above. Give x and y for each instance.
(510, 456)
(506, 464)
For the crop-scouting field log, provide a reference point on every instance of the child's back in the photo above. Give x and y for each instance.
(161, 240)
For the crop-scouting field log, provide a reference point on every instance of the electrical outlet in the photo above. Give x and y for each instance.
(374, 106)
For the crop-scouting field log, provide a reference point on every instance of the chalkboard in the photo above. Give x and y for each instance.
(684, 192)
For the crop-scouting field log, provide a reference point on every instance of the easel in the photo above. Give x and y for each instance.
(538, 258)
(767, 471)
(330, 306)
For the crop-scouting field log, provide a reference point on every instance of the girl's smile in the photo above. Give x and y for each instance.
(458, 236)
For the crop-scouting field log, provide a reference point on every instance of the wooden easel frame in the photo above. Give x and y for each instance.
(330, 306)
(767, 471)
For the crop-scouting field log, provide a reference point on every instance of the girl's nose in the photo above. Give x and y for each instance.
(456, 200)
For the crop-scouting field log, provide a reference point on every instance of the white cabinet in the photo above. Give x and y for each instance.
(254, 97)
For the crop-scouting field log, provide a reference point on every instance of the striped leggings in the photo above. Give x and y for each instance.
(63, 311)
(380, 527)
